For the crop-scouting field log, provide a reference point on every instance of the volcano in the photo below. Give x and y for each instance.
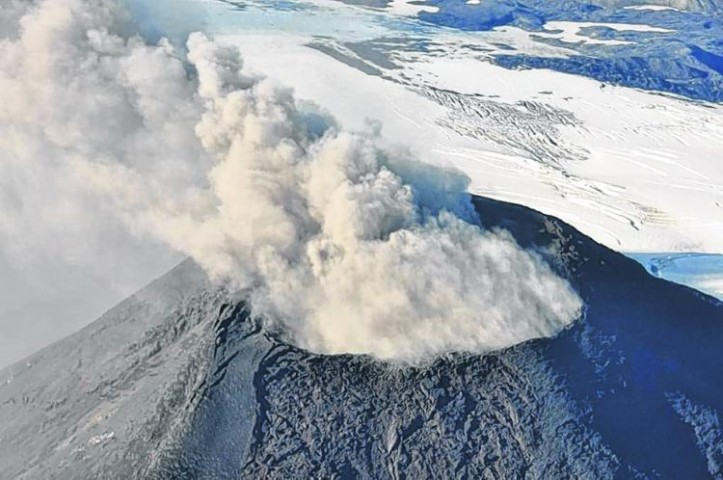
(181, 381)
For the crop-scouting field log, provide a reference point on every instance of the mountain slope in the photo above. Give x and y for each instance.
(96, 404)
(179, 382)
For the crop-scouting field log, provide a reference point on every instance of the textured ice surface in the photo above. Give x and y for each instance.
(701, 271)
(636, 170)
(179, 382)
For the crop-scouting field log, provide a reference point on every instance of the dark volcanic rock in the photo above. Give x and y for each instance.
(199, 390)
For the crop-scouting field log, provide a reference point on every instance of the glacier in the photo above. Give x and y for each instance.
(700, 271)
(632, 165)
(638, 172)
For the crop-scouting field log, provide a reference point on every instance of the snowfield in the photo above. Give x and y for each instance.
(635, 170)
(638, 170)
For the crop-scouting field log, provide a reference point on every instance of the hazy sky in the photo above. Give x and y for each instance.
(63, 261)
(46, 301)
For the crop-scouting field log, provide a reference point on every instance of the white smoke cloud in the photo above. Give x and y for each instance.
(75, 97)
(343, 247)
